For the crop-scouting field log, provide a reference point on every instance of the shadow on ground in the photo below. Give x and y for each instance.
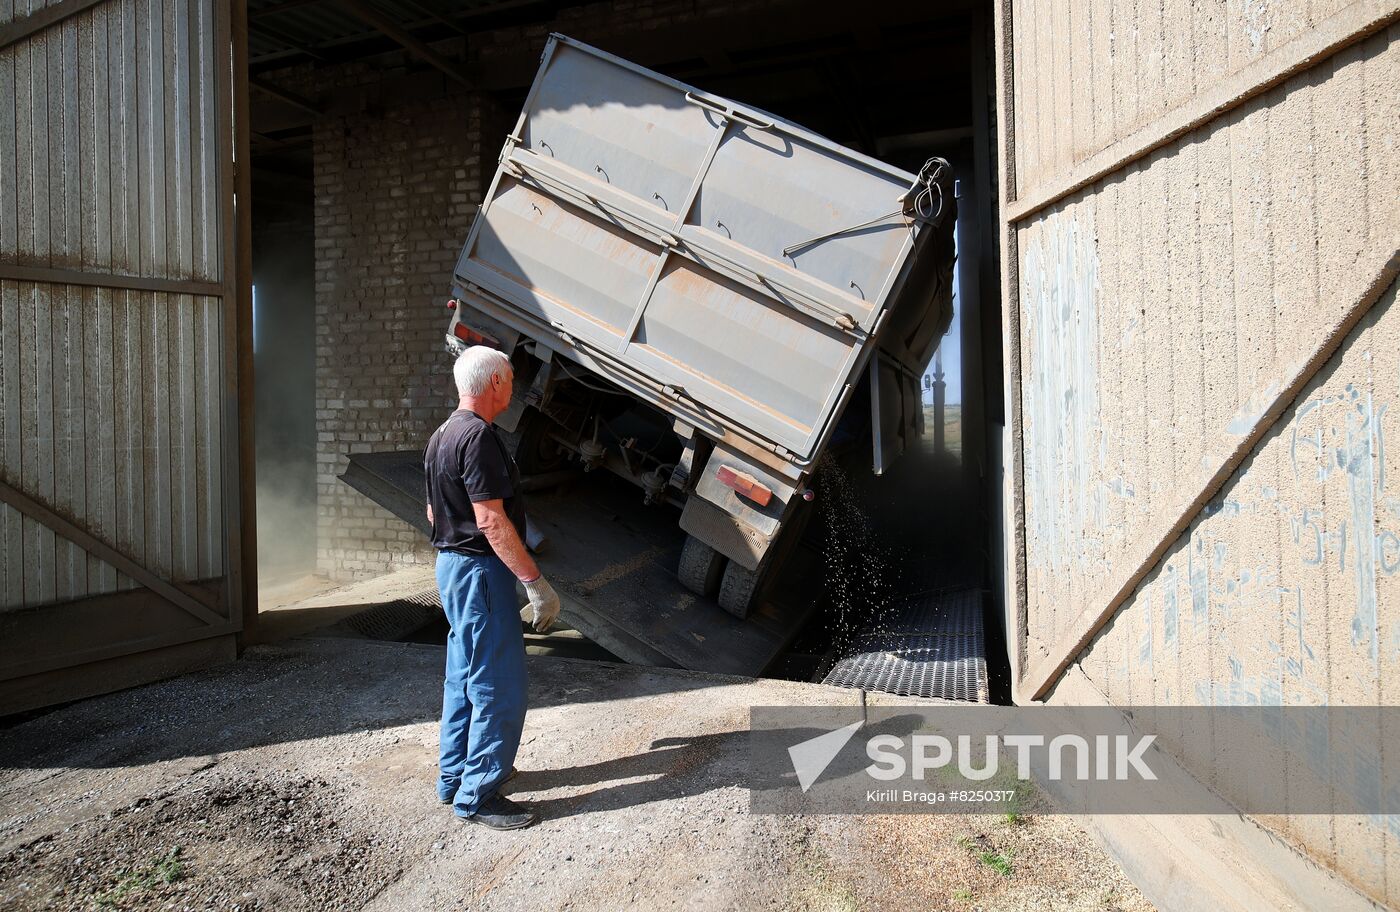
(297, 690)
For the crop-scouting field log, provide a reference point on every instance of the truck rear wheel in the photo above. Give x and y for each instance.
(701, 567)
(737, 589)
(537, 453)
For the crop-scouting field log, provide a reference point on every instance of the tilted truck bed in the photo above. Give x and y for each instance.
(726, 266)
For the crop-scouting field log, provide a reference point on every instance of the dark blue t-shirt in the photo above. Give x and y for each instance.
(466, 462)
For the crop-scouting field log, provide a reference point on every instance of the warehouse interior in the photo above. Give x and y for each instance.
(339, 89)
(1196, 308)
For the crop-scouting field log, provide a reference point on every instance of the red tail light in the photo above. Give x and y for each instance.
(472, 337)
(745, 485)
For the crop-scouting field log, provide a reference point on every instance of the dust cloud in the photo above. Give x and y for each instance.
(286, 506)
(284, 383)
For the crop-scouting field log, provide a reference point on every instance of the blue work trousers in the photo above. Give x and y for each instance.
(483, 690)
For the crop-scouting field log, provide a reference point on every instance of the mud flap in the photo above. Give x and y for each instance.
(738, 527)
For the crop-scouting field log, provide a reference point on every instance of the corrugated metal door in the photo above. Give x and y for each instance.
(1181, 265)
(118, 399)
(1201, 243)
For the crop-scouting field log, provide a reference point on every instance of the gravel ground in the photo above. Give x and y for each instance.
(271, 843)
(300, 778)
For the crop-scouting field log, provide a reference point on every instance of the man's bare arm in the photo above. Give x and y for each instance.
(493, 522)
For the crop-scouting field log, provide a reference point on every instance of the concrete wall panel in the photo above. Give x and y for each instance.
(1286, 589)
(114, 418)
(119, 424)
(1155, 56)
(1217, 260)
(118, 170)
(1162, 309)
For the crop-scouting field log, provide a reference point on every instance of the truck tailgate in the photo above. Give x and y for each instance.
(730, 267)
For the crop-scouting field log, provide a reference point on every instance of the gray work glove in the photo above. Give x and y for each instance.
(545, 601)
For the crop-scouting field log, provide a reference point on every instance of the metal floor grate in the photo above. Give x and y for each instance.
(397, 619)
(931, 645)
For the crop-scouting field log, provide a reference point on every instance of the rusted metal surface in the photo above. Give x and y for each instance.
(118, 430)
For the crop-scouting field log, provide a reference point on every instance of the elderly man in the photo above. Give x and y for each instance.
(478, 518)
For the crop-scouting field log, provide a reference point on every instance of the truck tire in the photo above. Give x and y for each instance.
(701, 567)
(737, 589)
(536, 453)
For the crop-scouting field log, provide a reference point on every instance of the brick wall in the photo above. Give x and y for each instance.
(395, 194)
(396, 188)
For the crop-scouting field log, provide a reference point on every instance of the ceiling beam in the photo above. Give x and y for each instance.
(281, 94)
(293, 44)
(377, 20)
(768, 36)
(466, 21)
(268, 143)
(275, 8)
(429, 14)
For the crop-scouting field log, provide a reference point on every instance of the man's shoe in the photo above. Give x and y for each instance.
(509, 776)
(500, 813)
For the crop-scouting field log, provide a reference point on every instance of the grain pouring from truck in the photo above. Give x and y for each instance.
(693, 293)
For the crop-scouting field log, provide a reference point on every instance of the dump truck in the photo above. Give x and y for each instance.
(701, 298)
(692, 291)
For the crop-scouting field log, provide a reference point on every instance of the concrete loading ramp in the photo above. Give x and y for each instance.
(613, 561)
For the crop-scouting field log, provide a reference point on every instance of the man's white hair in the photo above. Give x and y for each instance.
(473, 369)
